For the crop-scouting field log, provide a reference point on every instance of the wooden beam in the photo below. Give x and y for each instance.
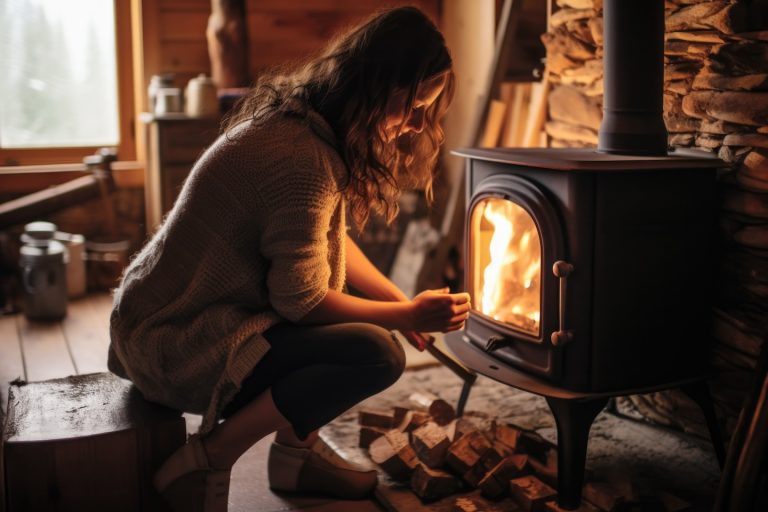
(228, 43)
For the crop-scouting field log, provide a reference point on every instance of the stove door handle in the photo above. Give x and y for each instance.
(562, 269)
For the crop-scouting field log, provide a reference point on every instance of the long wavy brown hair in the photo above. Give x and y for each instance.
(350, 84)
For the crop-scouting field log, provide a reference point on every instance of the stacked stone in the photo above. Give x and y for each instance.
(716, 99)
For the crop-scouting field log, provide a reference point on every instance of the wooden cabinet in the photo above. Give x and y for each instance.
(174, 143)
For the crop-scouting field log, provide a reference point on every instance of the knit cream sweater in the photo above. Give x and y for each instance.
(256, 237)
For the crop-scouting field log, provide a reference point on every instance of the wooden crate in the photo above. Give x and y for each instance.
(87, 442)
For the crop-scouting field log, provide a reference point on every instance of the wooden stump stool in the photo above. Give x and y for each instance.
(87, 442)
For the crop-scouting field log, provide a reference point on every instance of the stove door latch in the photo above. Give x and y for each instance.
(562, 269)
(495, 342)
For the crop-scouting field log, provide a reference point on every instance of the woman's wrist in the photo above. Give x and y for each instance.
(401, 317)
(389, 293)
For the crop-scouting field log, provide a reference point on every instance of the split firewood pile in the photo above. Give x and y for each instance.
(501, 468)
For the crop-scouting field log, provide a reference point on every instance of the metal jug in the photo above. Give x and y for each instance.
(43, 263)
(76, 278)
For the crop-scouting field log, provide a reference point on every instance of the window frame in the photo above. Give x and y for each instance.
(126, 149)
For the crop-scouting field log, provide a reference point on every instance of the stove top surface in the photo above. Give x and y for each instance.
(585, 159)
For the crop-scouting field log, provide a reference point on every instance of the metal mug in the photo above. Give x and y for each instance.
(42, 261)
(76, 281)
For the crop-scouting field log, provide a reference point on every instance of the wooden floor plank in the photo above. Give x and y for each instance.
(44, 348)
(86, 329)
(11, 362)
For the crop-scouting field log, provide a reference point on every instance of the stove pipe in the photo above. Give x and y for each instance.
(633, 60)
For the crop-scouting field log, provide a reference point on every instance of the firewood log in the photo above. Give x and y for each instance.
(531, 493)
(440, 410)
(672, 503)
(376, 418)
(459, 427)
(473, 503)
(369, 435)
(487, 461)
(552, 506)
(433, 484)
(533, 444)
(603, 496)
(624, 485)
(495, 483)
(464, 453)
(394, 455)
(430, 444)
(506, 434)
(398, 415)
(467, 505)
(403, 423)
(546, 471)
(415, 420)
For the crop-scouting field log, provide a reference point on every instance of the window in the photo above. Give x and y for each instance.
(65, 80)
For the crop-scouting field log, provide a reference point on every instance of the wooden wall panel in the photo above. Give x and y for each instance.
(185, 56)
(183, 25)
(279, 31)
(282, 32)
(184, 5)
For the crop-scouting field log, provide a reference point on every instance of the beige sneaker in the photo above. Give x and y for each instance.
(318, 469)
(188, 483)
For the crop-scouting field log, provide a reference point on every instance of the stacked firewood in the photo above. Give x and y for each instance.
(715, 99)
(503, 467)
(575, 66)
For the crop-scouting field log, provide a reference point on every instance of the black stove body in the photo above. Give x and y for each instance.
(616, 292)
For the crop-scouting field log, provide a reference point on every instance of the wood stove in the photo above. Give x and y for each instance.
(590, 278)
(590, 271)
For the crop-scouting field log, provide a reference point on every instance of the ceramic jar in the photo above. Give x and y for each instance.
(201, 97)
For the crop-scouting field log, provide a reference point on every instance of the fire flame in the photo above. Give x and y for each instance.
(507, 270)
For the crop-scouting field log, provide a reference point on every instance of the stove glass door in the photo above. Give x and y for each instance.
(505, 273)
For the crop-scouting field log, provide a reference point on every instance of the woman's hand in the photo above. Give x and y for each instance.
(439, 311)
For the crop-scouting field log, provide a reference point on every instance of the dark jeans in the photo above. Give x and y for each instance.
(317, 372)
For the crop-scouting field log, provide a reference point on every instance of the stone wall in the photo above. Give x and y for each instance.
(715, 99)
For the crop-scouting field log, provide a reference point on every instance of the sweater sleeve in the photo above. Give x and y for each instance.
(295, 240)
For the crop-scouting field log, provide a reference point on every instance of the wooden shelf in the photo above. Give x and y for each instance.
(174, 143)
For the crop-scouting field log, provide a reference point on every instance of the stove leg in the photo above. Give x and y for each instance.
(574, 419)
(699, 393)
(463, 397)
